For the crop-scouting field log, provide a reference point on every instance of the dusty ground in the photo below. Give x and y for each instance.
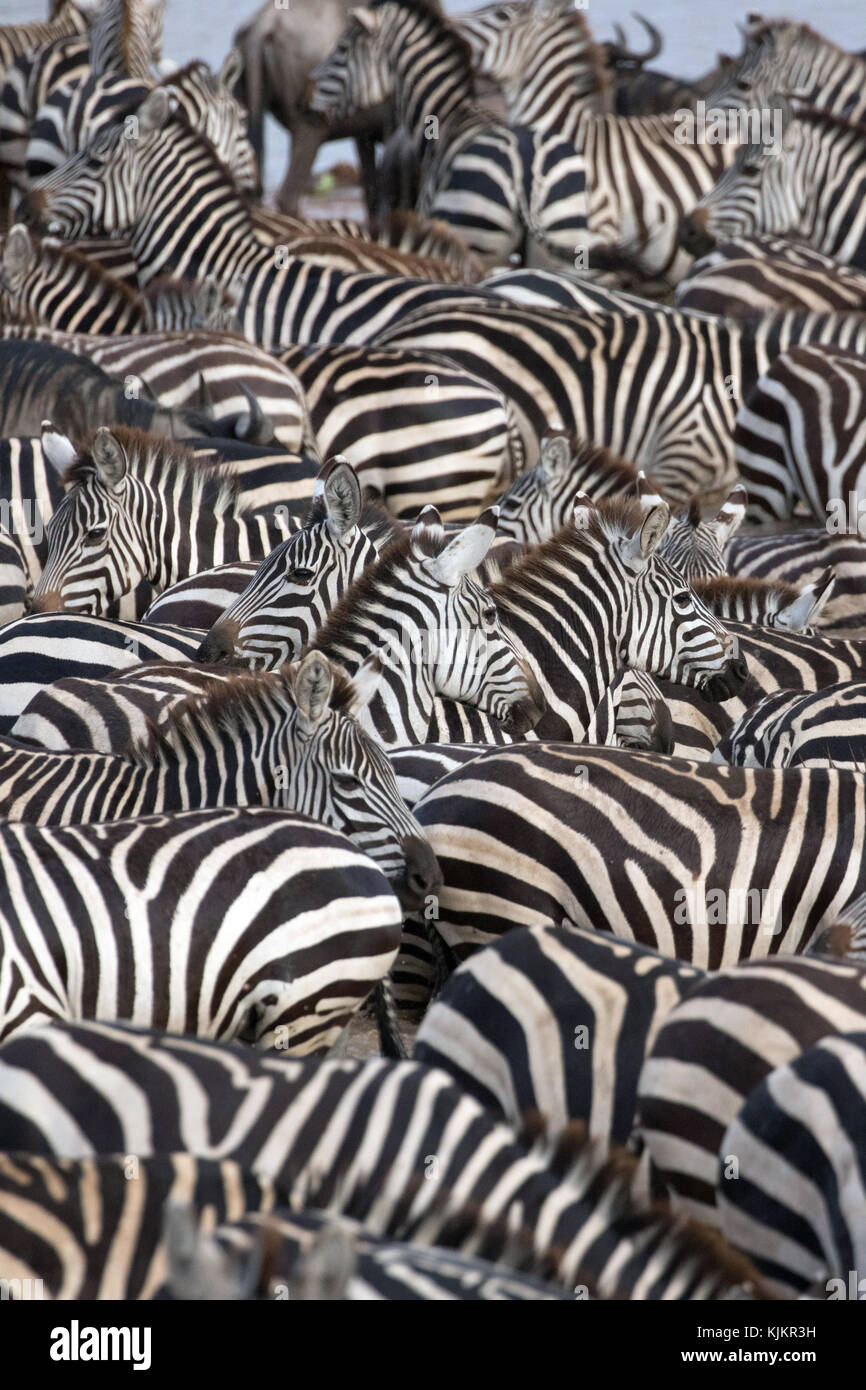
(361, 1038)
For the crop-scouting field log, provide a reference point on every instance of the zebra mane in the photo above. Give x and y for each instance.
(425, 237)
(438, 27)
(611, 518)
(431, 542)
(772, 28)
(815, 115)
(738, 588)
(223, 704)
(209, 482)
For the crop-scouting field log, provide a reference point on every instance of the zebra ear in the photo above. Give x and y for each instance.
(232, 67)
(154, 111)
(365, 18)
(312, 684)
(805, 610)
(428, 521)
(342, 494)
(366, 682)
(637, 548)
(730, 515)
(647, 493)
(109, 458)
(583, 510)
(465, 553)
(555, 456)
(19, 253)
(57, 448)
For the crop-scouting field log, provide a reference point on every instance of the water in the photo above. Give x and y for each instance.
(693, 35)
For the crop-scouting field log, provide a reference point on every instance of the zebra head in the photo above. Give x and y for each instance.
(298, 584)
(541, 500)
(357, 75)
(663, 628)
(437, 629)
(766, 190)
(340, 775)
(692, 545)
(132, 506)
(553, 32)
(96, 192)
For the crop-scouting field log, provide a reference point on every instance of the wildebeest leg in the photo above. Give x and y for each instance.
(367, 161)
(307, 136)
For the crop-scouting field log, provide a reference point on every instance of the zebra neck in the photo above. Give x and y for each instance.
(204, 228)
(430, 85)
(402, 709)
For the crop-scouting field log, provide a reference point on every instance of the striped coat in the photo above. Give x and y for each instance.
(252, 924)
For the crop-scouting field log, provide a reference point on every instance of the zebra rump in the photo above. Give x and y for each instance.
(250, 924)
(797, 1205)
(824, 728)
(556, 1020)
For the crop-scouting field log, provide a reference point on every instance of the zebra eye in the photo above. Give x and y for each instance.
(683, 599)
(490, 616)
(97, 532)
(345, 780)
(300, 576)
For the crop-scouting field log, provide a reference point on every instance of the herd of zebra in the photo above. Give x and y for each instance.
(455, 620)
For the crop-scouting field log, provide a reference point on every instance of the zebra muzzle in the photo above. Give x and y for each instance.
(728, 682)
(218, 647)
(421, 875)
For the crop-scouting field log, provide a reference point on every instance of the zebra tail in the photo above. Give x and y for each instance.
(390, 1038)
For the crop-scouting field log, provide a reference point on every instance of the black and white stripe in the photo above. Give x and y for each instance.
(306, 1126)
(826, 728)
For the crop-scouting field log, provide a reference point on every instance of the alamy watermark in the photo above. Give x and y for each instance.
(716, 125)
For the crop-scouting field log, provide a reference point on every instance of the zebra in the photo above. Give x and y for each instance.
(759, 274)
(46, 283)
(780, 55)
(776, 660)
(201, 599)
(282, 300)
(416, 428)
(138, 508)
(112, 712)
(26, 85)
(542, 56)
(693, 545)
(306, 1127)
(16, 40)
(500, 187)
(16, 585)
(32, 468)
(39, 649)
(799, 557)
(641, 177)
(555, 1020)
(298, 583)
(73, 117)
(157, 1239)
(571, 651)
(441, 636)
(661, 851)
(716, 1046)
(789, 729)
(287, 739)
(767, 602)
(811, 190)
(245, 924)
(658, 387)
(127, 35)
(799, 436)
(796, 1207)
